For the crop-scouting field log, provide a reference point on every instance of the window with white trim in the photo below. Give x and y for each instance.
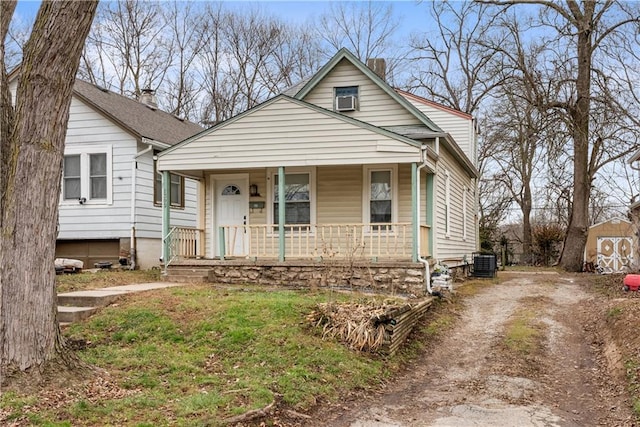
(380, 196)
(299, 197)
(86, 175)
(447, 204)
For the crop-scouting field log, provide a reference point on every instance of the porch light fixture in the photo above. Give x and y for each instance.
(253, 190)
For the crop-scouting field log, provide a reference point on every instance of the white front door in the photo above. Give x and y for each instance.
(231, 207)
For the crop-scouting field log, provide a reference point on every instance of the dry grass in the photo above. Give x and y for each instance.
(361, 326)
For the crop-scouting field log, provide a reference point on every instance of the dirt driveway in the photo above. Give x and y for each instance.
(472, 377)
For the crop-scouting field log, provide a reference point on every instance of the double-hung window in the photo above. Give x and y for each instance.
(86, 175)
(447, 204)
(176, 190)
(380, 207)
(298, 197)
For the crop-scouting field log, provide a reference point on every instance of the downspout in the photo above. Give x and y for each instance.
(427, 271)
(132, 236)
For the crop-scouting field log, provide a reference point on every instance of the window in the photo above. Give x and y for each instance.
(87, 175)
(380, 190)
(72, 179)
(346, 98)
(299, 196)
(347, 91)
(98, 175)
(297, 199)
(176, 189)
(447, 203)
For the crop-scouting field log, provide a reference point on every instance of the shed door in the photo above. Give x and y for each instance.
(232, 213)
(614, 253)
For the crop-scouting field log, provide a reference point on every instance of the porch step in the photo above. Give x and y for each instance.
(185, 274)
(90, 298)
(74, 314)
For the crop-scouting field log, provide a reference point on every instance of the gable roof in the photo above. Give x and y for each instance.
(134, 116)
(358, 123)
(344, 53)
(434, 104)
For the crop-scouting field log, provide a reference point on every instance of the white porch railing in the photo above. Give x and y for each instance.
(185, 242)
(326, 241)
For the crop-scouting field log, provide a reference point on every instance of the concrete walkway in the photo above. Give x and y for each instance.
(78, 305)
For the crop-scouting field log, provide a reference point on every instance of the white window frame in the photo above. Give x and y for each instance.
(273, 173)
(85, 190)
(366, 193)
(447, 204)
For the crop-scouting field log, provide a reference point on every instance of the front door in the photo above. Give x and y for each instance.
(231, 207)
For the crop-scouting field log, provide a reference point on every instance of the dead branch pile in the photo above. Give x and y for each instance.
(359, 325)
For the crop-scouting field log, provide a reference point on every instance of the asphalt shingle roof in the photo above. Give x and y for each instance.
(138, 118)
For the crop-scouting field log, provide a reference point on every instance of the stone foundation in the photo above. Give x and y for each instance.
(390, 278)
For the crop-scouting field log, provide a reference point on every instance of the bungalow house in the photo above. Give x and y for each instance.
(110, 205)
(344, 179)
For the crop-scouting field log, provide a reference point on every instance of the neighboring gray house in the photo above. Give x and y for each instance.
(370, 174)
(110, 203)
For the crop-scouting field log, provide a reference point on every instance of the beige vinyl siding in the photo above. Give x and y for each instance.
(452, 248)
(375, 105)
(339, 192)
(284, 133)
(460, 128)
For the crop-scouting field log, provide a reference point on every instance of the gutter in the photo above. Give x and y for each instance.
(134, 168)
(425, 262)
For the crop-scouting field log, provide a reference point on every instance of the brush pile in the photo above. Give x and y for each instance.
(361, 326)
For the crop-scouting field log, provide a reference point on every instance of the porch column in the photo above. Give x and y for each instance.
(415, 225)
(281, 213)
(166, 217)
(429, 210)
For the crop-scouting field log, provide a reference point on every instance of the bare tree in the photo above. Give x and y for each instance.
(365, 28)
(452, 64)
(585, 33)
(32, 136)
(186, 38)
(129, 46)
(248, 57)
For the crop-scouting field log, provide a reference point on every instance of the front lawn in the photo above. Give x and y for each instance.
(196, 355)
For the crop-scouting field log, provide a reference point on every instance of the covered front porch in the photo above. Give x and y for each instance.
(241, 218)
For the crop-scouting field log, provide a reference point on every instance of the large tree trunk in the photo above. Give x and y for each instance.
(576, 238)
(32, 145)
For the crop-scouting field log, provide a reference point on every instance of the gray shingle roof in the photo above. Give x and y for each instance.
(136, 117)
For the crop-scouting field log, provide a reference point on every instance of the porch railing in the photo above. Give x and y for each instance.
(312, 241)
(185, 242)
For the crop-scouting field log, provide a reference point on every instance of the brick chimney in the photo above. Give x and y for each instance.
(379, 66)
(148, 97)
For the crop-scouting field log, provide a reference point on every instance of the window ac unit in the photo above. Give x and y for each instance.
(346, 103)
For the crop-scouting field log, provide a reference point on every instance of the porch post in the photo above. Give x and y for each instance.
(429, 210)
(166, 218)
(415, 225)
(282, 200)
